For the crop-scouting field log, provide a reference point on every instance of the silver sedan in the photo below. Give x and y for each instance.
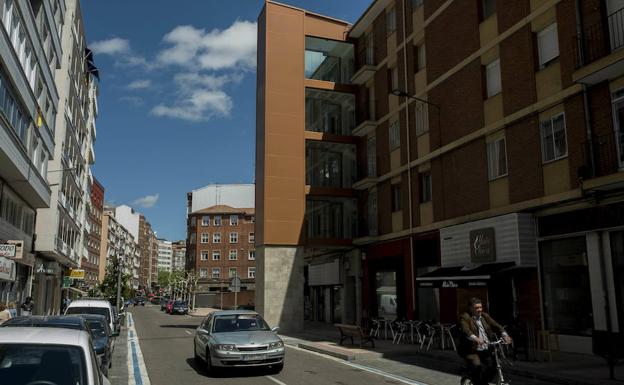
(238, 338)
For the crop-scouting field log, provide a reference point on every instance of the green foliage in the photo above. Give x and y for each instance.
(109, 285)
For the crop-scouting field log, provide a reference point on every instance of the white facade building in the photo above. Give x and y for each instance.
(128, 219)
(233, 195)
(118, 242)
(165, 255)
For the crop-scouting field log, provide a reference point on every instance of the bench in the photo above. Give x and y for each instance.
(350, 331)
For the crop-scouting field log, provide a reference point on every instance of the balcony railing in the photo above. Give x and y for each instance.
(600, 39)
(605, 156)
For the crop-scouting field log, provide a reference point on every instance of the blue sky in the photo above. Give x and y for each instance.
(177, 97)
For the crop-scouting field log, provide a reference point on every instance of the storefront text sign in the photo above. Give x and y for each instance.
(482, 246)
(77, 274)
(7, 250)
(49, 268)
(19, 248)
(7, 269)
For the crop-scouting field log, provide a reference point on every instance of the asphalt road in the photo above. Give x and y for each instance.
(166, 342)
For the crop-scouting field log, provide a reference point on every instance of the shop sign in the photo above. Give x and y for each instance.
(49, 268)
(7, 250)
(452, 283)
(7, 269)
(482, 246)
(77, 274)
(66, 282)
(19, 248)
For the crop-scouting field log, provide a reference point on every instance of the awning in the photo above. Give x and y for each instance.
(83, 293)
(462, 276)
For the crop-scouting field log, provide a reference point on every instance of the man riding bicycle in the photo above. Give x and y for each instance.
(478, 330)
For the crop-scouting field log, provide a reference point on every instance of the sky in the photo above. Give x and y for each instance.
(177, 97)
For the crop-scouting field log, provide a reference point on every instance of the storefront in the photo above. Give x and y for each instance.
(325, 291)
(46, 287)
(7, 279)
(582, 273)
(493, 259)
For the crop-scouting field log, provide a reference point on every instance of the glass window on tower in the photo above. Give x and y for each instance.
(328, 60)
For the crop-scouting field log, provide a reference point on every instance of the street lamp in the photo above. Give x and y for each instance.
(401, 93)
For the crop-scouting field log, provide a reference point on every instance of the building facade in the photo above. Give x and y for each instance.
(61, 230)
(165, 255)
(30, 42)
(178, 262)
(91, 264)
(492, 149)
(117, 242)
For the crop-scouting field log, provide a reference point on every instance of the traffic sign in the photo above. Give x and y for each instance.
(66, 282)
(235, 284)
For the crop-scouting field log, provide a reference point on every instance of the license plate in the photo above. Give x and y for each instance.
(254, 357)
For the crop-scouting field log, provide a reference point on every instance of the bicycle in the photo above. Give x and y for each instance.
(499, 355)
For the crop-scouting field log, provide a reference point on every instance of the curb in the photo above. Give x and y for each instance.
(327, 352)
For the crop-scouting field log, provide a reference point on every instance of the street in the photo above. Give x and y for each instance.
(166, 346)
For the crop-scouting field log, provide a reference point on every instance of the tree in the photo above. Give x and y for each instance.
(163, 278)
(109, 285)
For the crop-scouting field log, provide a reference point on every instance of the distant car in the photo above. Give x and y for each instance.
(179, 307)
(238, 338)
(169, 306)
(43, 356)
(103, 339)
(163, 304)
(93, 306)
(139, 301)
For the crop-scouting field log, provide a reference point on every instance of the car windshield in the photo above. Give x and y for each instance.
(239, 323)
(90, 310)
(22, 364)
(97, 329)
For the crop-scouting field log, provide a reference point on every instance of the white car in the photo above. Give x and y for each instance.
(48, 356)
(93, 306)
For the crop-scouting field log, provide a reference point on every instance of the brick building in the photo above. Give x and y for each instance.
(91, 265)
(488, 162)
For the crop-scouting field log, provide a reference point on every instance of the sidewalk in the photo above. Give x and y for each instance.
(566, 368)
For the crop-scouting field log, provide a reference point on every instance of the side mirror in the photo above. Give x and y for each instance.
(275, 329)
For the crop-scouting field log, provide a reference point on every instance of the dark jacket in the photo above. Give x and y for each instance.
(468, 327)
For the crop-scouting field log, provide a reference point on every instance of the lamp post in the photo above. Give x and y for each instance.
(119, 267)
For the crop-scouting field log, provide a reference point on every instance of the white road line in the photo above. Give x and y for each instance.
(361, 367)
(188, 332)
(276, 380)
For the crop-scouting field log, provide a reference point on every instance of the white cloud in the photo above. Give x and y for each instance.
(196, 106)
(114, 46)
(147, 201)
(134, 100)
(234, 47)
(140, 84)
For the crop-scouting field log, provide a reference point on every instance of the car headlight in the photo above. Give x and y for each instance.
(227, 348)
(275, 345)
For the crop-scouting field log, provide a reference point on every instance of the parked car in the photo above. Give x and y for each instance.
(139, 301)
(103, 341)
(52, 321)
(169, 306)
(48, 356)
(238, 338)
(93, 306)
(179, 307)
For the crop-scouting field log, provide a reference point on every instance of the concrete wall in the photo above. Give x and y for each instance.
(129, 219)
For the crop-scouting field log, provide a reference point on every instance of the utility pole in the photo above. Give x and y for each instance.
(118, 282)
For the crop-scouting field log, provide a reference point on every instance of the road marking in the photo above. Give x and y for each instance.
(276, 380)
(188, 332)
(369, 369)
(136, 366)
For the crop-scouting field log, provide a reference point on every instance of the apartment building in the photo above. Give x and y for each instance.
(91, 264)
(221, 240)
(117, 242)
(30, 42)
(488, 162)
(178, 262)
(61, 229)
(165, 255)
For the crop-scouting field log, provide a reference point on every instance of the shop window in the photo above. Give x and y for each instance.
(566, 288)
(385, 290)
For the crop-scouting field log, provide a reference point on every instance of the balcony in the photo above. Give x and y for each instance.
(598, 52)
(366, 67)
(329, 112)
(366, 121)
(605, 157)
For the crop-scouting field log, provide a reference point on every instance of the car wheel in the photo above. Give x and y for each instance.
(275, 369)
(208, 366)
(195, 355)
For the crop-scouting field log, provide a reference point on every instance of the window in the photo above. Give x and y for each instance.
(497, 159)
(488, 8)
(395, 135)
(425, 187)
(372, 212)
(204, 238)
(205, 221)
(417, 3)
(216, 272)
(233, 272)
(252, 237)
(233, 220)
(217, 220)
(553, 135)
(216, 255)
(420, 57)
(253, 220)
(394, 78)
(203, 273)
(216, 238)
(391, 20)
(233, 255)
(371, 156)
(420, 118)
(547, 45)
(251, 255)
(204, 255)
(251, 272)
(234, 237)
(396, 197)
(493, 78)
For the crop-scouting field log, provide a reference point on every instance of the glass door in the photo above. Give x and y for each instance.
(618, 125)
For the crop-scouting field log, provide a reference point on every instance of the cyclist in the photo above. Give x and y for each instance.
(478, 330)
